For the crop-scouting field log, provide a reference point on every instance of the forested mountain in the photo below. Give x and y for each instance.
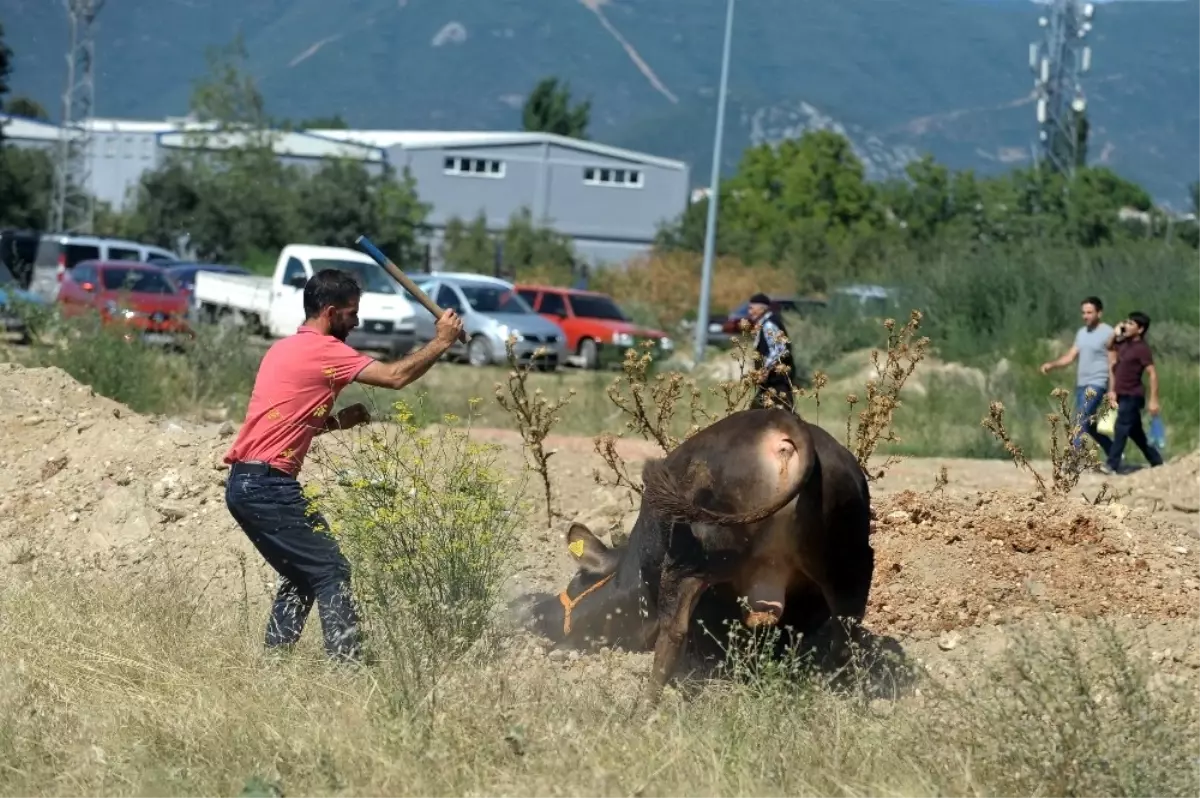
(901, 77)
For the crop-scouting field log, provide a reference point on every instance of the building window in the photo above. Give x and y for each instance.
(627, 178)
(473, 167)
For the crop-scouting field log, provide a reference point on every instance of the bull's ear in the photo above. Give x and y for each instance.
(589, 552)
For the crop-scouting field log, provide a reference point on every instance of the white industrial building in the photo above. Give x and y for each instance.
(610, 201)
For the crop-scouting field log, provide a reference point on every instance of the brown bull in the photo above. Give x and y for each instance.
(760, 506)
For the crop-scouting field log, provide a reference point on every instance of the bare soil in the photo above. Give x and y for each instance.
(90, 488)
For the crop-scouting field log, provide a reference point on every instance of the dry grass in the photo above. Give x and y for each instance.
(140, 691)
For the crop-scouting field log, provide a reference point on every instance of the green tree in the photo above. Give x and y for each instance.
(530, 247)
(5, 71)
(800, 202)
(342, 201)
(228, 190)
(26, 107)
(228, 94)
(468, 246)
(26, 174)
(548, 109)
(26, 178)
(235, 198)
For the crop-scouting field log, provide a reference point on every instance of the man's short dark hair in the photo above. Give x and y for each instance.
(1141, 320)
(760, 299)
(329, 288)
(1094, 301)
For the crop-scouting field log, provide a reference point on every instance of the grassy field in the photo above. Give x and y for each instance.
(940, 413)
(108, 687)
(150, 691)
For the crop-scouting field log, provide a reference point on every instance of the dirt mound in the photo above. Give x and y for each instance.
(946, 563)
(1173, 486)
(89, 486)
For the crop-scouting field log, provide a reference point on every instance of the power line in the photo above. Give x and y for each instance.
(72, 208)
(1059, 62)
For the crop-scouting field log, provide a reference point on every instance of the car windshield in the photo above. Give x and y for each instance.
(370, 276)
(493, 299)
(138, 281)
(596, 307)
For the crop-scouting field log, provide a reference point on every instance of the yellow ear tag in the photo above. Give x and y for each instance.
(576, 548)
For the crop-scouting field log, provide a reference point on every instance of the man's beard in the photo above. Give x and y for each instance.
(341, 333)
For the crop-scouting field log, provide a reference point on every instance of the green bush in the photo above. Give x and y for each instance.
(429, 522)
(215, 371)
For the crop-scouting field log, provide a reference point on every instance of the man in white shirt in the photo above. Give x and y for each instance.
(1091, 377)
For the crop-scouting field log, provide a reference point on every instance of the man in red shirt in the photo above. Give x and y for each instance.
(1130, 357)
(297, 384)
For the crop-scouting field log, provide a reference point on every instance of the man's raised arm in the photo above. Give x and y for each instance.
(413, 366)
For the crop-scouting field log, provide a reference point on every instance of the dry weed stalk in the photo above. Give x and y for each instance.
(606, 447)
(993, 422)
(535, 416)
(883, 393)
(650, 405)
(737, 392)
(1067, 463)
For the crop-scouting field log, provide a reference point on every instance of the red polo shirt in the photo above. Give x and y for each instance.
(298, 381)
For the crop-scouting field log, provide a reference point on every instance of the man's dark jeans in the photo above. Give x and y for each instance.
(271, 509)
(1129, 427)
(1087, 408)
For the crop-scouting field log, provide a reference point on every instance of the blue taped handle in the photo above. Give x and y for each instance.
(366, 246)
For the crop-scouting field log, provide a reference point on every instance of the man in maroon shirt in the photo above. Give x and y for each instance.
(1129, 359)
(292, 402)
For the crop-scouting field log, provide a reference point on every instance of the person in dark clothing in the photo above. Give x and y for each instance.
(775, 350)
(1131, 358)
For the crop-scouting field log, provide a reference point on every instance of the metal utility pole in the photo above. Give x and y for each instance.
(72, 208)
(710, 227)
(1059, 62)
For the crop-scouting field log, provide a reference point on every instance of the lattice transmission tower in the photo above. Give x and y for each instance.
(1059, 62)
(72, 208)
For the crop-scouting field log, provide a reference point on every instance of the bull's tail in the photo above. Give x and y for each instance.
(669, 498)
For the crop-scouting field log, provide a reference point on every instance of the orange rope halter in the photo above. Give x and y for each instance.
(569, 603)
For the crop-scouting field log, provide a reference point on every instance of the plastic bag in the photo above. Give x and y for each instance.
(1106, 425)
(1158, 433)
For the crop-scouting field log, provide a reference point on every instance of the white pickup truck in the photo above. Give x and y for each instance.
(274, 306)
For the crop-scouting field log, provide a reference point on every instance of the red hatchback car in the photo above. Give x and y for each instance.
(138, 295)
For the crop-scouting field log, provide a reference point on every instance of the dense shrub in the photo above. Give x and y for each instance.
(428, 520)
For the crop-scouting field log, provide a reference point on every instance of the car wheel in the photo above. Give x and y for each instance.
(479, 352)
(589, 353)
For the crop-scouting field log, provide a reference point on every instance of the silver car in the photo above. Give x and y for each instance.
(491, 311)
